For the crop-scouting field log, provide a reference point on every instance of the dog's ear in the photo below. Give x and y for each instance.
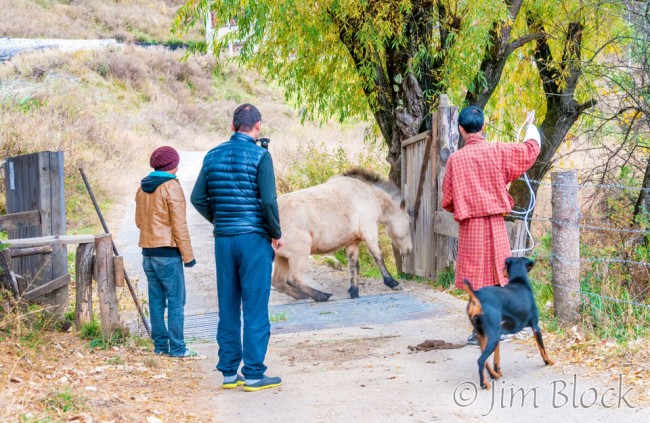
(508, 262)
(529, 264)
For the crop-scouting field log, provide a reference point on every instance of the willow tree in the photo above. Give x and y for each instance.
(392, 58)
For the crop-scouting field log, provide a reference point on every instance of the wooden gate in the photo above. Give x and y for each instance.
(434, 231)
(35, 202)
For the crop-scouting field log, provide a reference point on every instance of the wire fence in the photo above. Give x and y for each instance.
(586, 225)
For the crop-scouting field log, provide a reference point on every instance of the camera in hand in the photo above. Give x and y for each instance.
(264, 142)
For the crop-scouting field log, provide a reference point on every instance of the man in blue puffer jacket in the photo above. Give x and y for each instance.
(236, 192)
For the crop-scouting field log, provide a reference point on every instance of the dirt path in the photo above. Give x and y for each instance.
(367, 373)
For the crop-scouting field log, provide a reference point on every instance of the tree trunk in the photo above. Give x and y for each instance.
(643, 201)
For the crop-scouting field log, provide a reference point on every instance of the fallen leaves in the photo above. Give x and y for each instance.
(602, 358)
(126, 383)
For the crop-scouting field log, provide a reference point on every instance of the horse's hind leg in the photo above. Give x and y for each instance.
(295, 280)
(352, 252)
(279, 281)
(375, 252)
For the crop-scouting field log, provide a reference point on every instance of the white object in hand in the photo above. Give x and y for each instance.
(532, 133)
(530, 118)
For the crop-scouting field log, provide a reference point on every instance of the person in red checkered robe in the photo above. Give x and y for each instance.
(475, 190)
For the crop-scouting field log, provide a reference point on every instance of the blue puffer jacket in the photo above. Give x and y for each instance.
(230, 171)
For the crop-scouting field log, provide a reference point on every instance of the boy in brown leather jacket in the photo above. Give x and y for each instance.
(166, 247)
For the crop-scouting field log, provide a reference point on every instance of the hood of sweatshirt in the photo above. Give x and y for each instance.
(155, 179)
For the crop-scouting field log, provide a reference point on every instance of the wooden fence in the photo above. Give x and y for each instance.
(34, 266)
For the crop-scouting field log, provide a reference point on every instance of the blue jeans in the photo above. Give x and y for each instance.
(166, 282)
(244, 264)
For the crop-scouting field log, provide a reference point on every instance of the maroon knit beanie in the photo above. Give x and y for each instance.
(164, 158)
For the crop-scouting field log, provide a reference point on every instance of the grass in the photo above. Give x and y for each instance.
(64, 401)
(280, 316)
(92, 331)
(126, 21)
(116, 361)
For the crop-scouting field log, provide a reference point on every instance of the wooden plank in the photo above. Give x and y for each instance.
(444, 224)
(31, 251)
(107, 293)
(14, 221)
(22, 186)
(118, 264)
(424, 167)
(84, 279)
(416, 138)
(51, 286)
(517, 236)
(51, 240)
(56, 205)
(45, 208)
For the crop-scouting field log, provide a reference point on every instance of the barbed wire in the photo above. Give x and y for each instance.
(598, 260)
(587, 185)
(593, 294)
(592, 227)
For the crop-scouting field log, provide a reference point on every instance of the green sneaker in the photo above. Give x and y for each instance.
(188, 354)
(264, 383)
(239, 381)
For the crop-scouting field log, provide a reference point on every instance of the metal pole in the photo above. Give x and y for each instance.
(105, 226)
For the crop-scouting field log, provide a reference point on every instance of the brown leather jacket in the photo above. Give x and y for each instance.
(160, 216)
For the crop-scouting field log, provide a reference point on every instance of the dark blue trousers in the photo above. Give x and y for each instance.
(244, 264)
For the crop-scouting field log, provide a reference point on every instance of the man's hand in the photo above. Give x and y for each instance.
(277, 244)
(191, 263)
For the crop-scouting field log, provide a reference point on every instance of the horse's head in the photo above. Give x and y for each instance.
(398, 227)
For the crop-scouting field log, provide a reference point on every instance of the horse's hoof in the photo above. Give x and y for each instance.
(322, 297)
(392, 284)
(354, 292)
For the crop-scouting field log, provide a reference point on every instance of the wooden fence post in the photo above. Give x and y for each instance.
(565, 245)
(446, 247)
(84, 278)
(105, 277)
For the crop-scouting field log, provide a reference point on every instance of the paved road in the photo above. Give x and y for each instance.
(9, 47)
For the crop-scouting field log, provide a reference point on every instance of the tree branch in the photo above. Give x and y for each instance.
(523, 40)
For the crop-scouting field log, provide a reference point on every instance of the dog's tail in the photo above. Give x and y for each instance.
(467, 287)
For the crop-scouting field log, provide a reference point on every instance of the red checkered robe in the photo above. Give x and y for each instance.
(475, 191)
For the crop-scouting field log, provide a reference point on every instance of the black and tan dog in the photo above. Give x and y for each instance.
(494, 310)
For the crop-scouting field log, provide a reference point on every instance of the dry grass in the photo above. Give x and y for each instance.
(603, 359)
(124, 20)
(108, 109)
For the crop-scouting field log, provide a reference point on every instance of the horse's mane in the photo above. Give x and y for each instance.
(375, 179)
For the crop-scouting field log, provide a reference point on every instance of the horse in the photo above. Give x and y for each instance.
(340, 213)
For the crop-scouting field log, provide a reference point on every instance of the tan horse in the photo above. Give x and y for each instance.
(340, 213)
